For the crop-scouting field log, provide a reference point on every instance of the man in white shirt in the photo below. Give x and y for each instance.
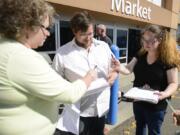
(72, 61)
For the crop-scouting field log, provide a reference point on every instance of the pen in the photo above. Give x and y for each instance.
(112, 56)
(95, 67)
(100, 70)
(170, 105)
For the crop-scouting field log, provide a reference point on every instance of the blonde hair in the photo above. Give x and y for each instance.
(15, 15)
(167, 51)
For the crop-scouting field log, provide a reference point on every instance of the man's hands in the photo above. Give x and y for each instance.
(112, 77)
(114, 71)
(115, 65)
(89, 77)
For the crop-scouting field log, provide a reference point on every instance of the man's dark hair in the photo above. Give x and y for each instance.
(81, 21)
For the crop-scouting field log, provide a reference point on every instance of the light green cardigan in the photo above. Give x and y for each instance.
(31, 91)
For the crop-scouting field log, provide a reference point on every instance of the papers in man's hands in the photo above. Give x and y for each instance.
(142, 94)
(96, 86)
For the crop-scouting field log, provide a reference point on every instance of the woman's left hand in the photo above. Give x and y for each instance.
(161, 94)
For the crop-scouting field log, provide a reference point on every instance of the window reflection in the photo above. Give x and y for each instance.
(123, 60)
(121, 38)
(121, 41)
(122, 53)
(66, 34)
(109, 33)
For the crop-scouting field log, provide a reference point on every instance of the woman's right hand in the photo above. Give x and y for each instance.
(90, 76)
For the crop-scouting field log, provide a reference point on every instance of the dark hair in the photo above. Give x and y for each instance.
(15, 15)
(81, 21)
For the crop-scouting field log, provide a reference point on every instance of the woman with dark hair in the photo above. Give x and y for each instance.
(30, 90)
(155, 67)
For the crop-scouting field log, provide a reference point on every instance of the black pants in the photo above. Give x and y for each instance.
(59, 132)
(88, 126)
(92, 125)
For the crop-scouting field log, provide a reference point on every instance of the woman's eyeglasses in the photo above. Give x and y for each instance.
(149, 42)
(46, 28)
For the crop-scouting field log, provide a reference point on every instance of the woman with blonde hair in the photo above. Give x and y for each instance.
(30, 90)
(155, 67)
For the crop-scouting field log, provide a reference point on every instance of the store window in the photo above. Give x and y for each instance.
(66, 34)
(178, 31)
(49, 44)
(178, 37)
(109, 33)
(121, 42)
(134, 36)
(48, 50)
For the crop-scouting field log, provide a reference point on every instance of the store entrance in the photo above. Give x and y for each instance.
(66, 34)
(133, 42)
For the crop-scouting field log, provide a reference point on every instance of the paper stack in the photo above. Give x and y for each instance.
(142, 94)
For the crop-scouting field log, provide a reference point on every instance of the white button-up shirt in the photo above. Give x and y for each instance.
(73, 62)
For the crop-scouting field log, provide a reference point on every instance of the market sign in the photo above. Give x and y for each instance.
(129, 8)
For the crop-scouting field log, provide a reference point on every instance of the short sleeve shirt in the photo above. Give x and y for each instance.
(154, 75)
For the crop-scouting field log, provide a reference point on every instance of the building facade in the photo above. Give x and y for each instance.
(178, 28)
(124, 20)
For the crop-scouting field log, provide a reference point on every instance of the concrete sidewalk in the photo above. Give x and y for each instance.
(128, 127)
(125, 123)
(124, 108)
